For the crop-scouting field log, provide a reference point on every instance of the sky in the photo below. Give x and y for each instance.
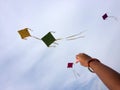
(31, 65)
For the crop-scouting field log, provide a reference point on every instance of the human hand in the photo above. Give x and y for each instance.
(83, 59)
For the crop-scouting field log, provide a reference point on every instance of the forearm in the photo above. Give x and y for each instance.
(109, 77)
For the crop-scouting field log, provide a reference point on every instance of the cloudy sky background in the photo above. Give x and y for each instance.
(30, 65)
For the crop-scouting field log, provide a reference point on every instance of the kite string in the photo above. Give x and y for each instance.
(32, 35)
(36, 37)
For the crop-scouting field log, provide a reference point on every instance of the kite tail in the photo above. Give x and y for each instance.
(74, 73)
(115, 18)
(52, 46)
(75, 36)
(36, 37)
(59, 39)
(55, 43)
(77, 73)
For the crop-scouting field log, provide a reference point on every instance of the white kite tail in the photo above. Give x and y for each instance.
(115, 18)
(75, 36)
(76, 74)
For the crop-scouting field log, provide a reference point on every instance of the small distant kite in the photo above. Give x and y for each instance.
(24, 33)
(105, 17)
(71, 65)
(48, 39)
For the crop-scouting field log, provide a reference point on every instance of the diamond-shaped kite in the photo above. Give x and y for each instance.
(70, 65)
(48, 39)
(24, 33)
(105, 16)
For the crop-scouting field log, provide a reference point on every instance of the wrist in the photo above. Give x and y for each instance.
(89, 64)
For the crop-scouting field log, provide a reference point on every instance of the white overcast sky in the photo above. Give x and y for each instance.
(30, 65)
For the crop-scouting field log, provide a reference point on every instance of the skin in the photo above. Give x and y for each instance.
(110, 77)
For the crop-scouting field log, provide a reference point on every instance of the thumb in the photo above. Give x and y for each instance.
(77, 61)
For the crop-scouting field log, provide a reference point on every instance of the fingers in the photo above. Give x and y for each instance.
(82, 58)
(78, 57)
(77, 61)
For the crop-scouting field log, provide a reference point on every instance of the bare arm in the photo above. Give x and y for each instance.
(110, 77)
